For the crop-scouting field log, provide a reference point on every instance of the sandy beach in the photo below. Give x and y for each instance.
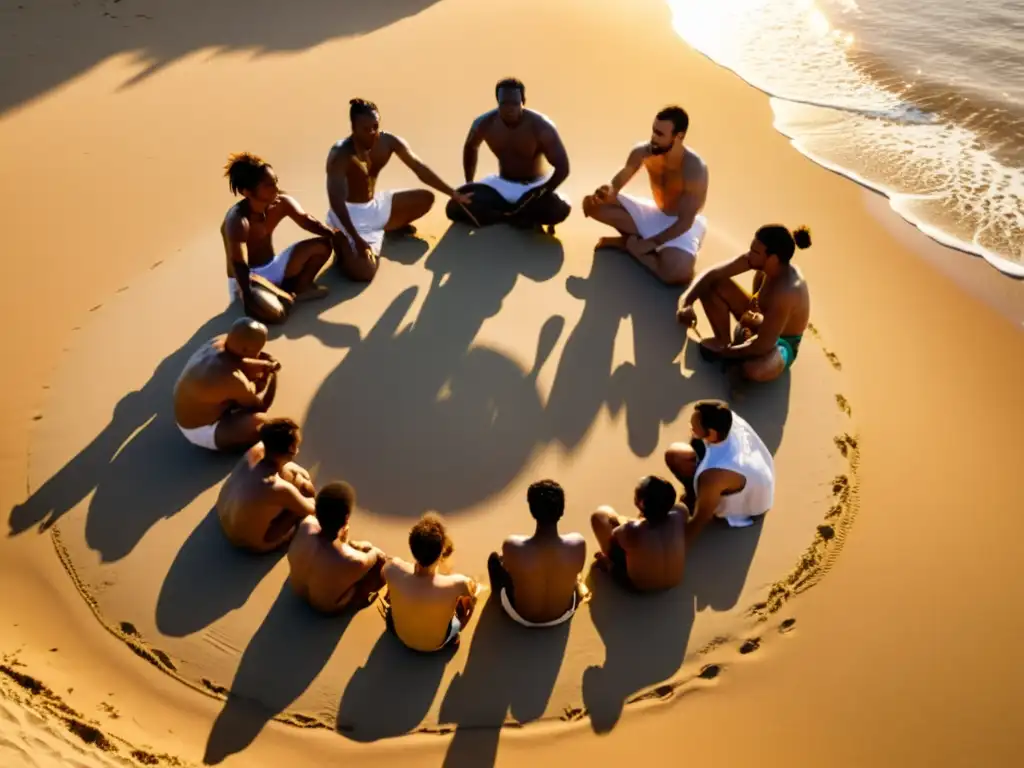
(870, 621)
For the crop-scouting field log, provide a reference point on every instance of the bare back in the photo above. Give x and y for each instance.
(674, 184)
(787, 293)
(253, 504)
(422, 605)
(253, 230)
(360, 172)
(544, 573)
(209, 386)
(322, 572)
(655, 554)
(520, 149)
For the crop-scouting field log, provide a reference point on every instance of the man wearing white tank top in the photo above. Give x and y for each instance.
(726, 469)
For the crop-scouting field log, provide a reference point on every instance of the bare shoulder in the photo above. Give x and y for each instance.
(340, 151)
(640, 152)
(236, 222)
(694, 167)
(574, 539)
(389, 142)
(541, 123)
(485, 121)
(287, 202)
(513, 542)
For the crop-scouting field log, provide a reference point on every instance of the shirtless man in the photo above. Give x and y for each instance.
(538, 577)
(519, 194)
(663, 234)
(771, 322)
(248, 230)
(223, 394)
(427, 608)
(267, 493)
(647, 554)
(729, 470)
(359, 211)
(328, 570)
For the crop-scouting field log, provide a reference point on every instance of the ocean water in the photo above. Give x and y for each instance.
(921, 101)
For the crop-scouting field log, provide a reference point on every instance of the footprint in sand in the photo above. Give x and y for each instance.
(787, 626)
(751, 645)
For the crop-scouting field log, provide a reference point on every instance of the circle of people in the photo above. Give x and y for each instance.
(268, 502)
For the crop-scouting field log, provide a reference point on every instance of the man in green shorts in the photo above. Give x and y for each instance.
(771, 321)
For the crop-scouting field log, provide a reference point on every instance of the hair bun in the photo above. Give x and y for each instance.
(802, 238)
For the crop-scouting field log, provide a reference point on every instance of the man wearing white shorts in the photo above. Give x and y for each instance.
(360, 214)
(520, 194)
(663, 234)
(248, 230)
(222, 396)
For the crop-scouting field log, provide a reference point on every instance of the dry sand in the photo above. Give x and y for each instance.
(493, 346)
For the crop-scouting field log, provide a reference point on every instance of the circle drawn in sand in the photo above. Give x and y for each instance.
(451, 383)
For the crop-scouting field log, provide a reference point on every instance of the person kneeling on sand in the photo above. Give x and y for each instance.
(771, 322)
(254, 273)
(538, 577)
(426, 607)
(519, 194)
(663, 234)
(730, 469)
(648, 553)
(328, 570)
(226, 388)
(267, 493)
(360, 212)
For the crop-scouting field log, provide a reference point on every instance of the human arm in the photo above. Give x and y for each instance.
(471, 149)
(712, 483)
(309, 223)
(417, 166)
(689, 205)
(237, 235)
(704, 281)
(291, 498)
(766, 334)
(554, 152)
(634, 161)
(337, 193)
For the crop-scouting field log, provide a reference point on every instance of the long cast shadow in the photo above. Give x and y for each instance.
(141, 468)
(392, 692)
(511, 671)
(457, 421)
(283, 658)
(650, 388)
(45, 48)
(646, 636)
(208, 579)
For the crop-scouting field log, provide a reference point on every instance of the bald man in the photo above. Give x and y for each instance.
(223, 394)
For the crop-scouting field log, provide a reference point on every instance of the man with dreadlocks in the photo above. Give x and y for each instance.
(360, 212)
(255, 273)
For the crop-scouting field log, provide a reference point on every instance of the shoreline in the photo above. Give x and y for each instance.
(796, 699)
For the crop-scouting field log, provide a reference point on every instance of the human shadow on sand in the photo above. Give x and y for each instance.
(651, 388)
(451, 421)
(510, 674)
(45, 49)
(208, 579)
(287, 652)
(140, 466)
(392, 692)
(646, 635)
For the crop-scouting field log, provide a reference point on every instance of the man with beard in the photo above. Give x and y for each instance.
(360, 213)
(663, 234)
(519, 194)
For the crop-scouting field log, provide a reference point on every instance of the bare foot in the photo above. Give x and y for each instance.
(313, 292)
(616, 243)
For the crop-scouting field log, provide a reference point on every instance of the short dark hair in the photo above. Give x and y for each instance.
(780, 242)
(513, 83)
(658, 497)
(677, 115)
(428, 540)
(361, 107)
(244, 171)
(716, 415)
(546, 500)
(334, 505)
(280, 437)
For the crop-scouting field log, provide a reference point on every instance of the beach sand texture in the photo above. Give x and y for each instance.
(473, 365)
